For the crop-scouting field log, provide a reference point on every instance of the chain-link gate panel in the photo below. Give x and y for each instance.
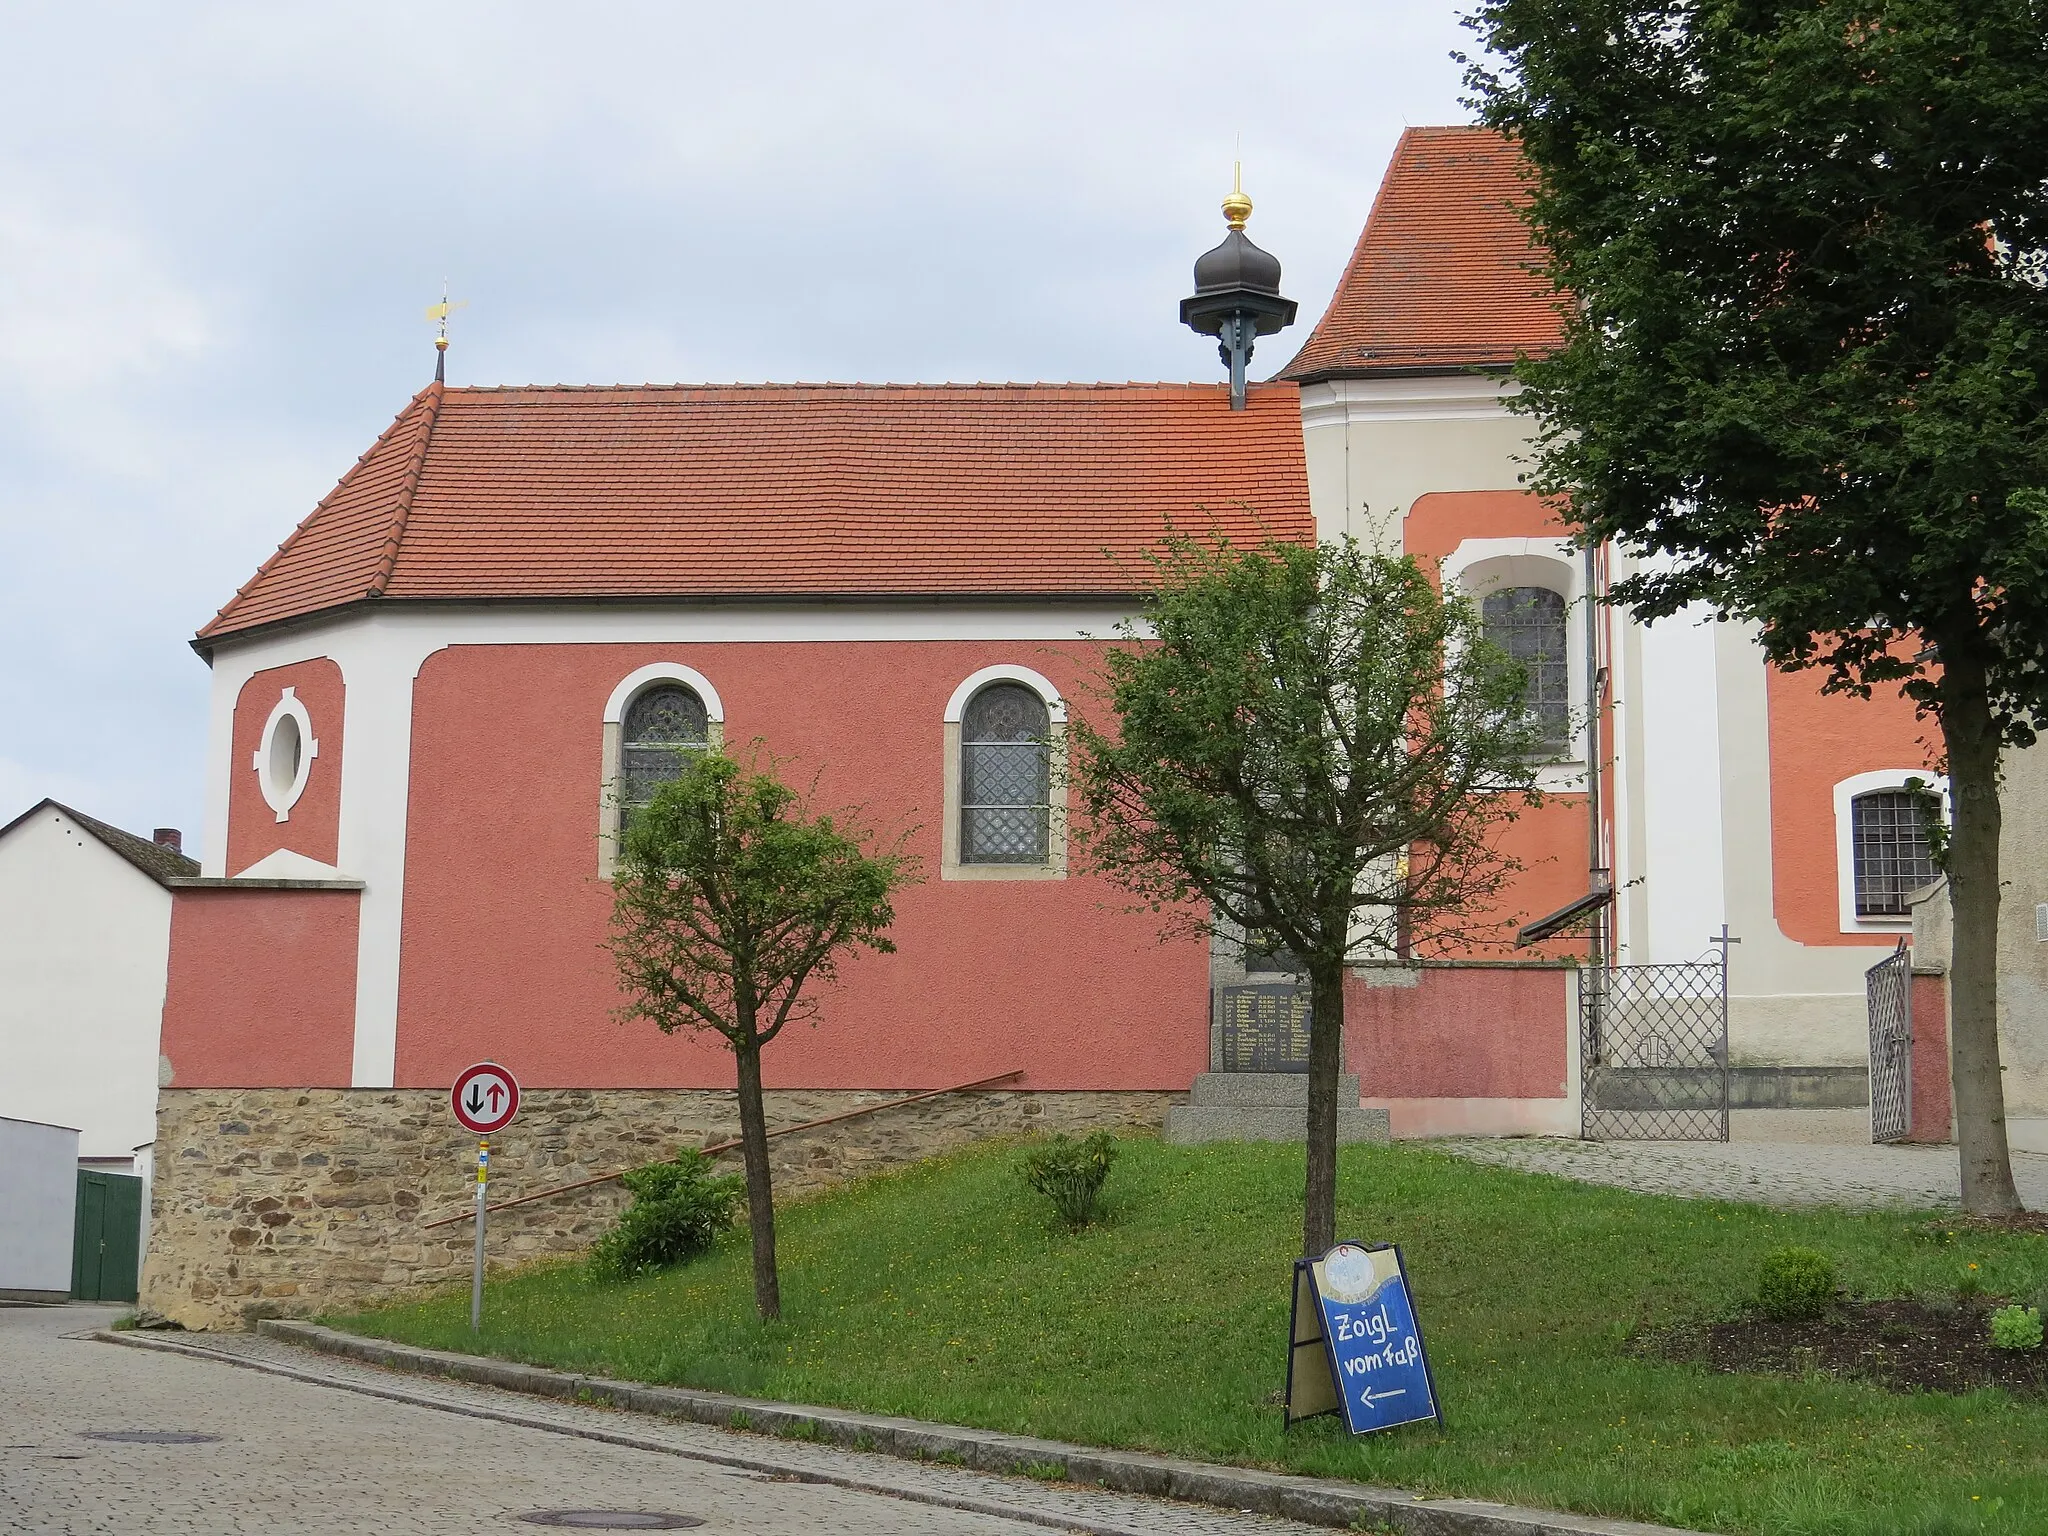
(1888, 987)
(1653, 1045)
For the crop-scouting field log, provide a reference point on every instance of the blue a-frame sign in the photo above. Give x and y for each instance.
(1356, 1346)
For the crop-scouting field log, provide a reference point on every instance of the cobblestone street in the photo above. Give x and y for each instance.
(428, 1458)
(1780, 1174)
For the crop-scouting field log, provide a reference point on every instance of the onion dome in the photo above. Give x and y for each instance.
(1237, 295)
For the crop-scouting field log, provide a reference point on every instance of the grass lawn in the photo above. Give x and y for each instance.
(944, 1292)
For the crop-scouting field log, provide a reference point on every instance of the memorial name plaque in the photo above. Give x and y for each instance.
(1265, 1027)
(1355, 1346)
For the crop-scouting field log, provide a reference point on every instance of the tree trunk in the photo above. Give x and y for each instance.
(1325, 1064)
(760, 1189)
(1973, 751)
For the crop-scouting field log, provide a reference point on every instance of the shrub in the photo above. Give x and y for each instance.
(1795, 1284)
(2016, 1328)
(1070, 1174)
(678, 1210)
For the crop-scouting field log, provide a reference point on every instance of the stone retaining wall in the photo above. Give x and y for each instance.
(278, 1201)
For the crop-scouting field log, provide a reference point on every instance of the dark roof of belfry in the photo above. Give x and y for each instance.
(806, 491)
(1444, 277)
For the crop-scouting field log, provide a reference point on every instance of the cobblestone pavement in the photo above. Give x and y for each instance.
(1866, 1177)
(424, 1456)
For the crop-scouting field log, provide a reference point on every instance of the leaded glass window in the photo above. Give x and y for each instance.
(1888, 830)
(662, 724)
(1005, 777)
(1528, 623)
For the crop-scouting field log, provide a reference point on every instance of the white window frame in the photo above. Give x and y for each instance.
(631, 687)
(282, 797)
(1846, 791)
(1479, 566)
(1055, 865)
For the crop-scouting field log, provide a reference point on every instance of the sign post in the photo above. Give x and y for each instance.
(1355, 1346)
(485, 1098)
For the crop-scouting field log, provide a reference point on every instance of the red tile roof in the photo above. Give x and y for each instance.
(781, 491)
(1441, 277)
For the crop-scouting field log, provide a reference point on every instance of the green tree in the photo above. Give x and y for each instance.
(1806, 361)
(1317, 746)
(728, 899)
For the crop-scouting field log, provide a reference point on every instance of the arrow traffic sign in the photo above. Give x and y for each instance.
(485, 1098)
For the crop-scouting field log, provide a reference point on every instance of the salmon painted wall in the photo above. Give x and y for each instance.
(1439, 522)
(262, 988)
(1818, 740)
(505, 915)
(314, 825)
(1932, 1098)
(1550, 841)
(1493, 1032)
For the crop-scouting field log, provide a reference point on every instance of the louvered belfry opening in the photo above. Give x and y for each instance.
(1005, 777)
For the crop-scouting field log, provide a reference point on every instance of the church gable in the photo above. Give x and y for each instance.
(1441, 278)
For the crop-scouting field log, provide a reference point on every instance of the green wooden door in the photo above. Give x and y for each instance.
(106, 1240)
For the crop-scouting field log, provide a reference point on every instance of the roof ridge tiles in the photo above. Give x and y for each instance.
(847, 385)
(388, 560)
(292, 539)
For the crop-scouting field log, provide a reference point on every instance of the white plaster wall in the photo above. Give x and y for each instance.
(1790, 1004)
(38, 1203)
(84, 949)
(1679, 777)
(1375, 445)
(380, 653)
(2022, 957)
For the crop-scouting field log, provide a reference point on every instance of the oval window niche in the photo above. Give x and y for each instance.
(284, 757)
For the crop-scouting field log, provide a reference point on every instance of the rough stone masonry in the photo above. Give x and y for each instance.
(276, 1202)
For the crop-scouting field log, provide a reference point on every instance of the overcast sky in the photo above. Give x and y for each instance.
(220, 225)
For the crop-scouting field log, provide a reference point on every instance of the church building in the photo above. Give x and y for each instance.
(432, 705)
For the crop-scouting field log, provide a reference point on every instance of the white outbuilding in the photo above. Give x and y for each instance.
(85, 929)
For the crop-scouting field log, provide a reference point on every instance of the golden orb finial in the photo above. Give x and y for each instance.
(1237, 207)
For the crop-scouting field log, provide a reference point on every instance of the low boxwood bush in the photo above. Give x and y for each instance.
(2016, 1328)
(1795, 1284)
(1070, 1174)
(679, 1209)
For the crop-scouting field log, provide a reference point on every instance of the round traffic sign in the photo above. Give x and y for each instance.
(485, 1098)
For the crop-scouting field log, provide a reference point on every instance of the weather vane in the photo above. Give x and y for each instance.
(439, 314)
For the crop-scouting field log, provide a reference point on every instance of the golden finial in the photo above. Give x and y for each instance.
(1237, 207)
(439, 313)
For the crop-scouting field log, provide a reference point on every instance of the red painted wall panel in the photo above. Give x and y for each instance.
(314, 827)
(1817, 740)
(1494, 1032)
(1932, 1101)
(505, 916)
(262, 988)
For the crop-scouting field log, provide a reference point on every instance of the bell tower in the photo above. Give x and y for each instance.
(1237, 293)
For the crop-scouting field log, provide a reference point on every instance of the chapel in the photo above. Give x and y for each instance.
(432, 705)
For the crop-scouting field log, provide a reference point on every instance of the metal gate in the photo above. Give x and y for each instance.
(1653, 1052)
(1888, 986)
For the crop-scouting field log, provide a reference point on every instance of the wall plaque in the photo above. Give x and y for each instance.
(1265, 1027)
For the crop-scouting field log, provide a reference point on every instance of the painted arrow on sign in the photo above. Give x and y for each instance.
(485, 1098)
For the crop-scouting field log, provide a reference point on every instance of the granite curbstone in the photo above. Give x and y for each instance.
(1312, 1501)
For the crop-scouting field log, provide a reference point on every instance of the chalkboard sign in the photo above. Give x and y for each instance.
(1265, 1027)
(1355, 1345)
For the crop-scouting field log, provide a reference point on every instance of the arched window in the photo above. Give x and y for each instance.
(1528, 623)
(662, 723)
(1892, 848)
(1005, 777)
